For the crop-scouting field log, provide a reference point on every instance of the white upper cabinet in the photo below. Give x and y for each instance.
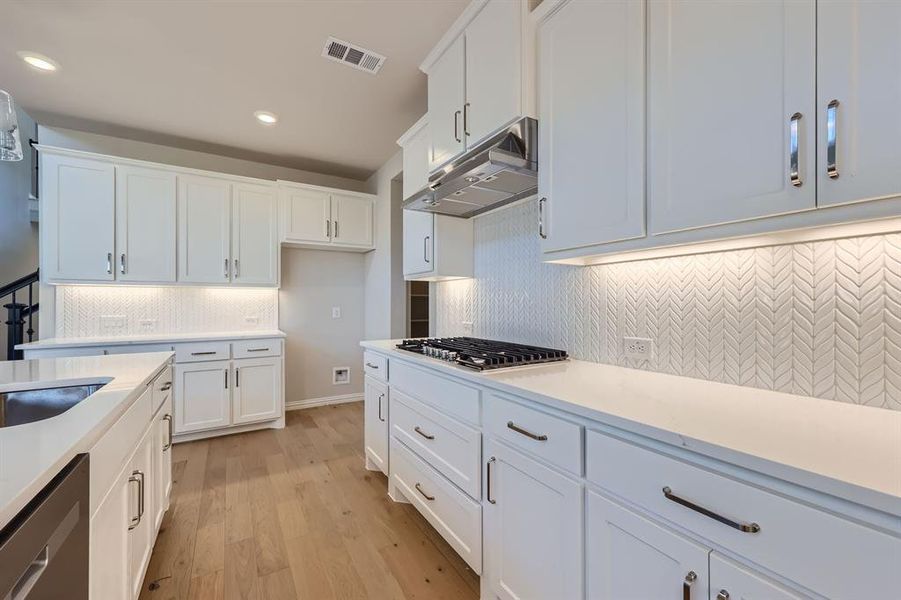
(419, 239)
(630, 556)
(493, 70)
(591, 104)
(306, 215)
(351, 220)
(731, 111)
(204, 224)
(255, 235)
(317, 217)
(477, 77)
(858, 100)
(77, 218)
(447, 95)
(145, 224)
(417, 145)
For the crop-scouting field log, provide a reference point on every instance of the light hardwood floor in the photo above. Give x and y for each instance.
(292, 513)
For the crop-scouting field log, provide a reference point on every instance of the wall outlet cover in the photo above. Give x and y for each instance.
(638, 348)
(340, 375)
(112, 321)
(251, 319)
(148, 324)
(336, 312)
(467, 327)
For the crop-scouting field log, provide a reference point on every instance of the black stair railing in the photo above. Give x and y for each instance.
(19, 313)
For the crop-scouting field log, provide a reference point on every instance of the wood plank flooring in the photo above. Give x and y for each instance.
(292, 513)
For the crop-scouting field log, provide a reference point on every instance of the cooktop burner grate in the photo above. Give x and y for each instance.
(482, 354)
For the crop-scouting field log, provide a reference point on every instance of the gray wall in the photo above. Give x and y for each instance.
(18, 236)
(313, 281)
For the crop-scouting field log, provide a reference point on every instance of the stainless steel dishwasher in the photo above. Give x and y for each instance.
(44, 549)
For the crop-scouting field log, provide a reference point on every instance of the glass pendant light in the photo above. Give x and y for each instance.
(10, 142)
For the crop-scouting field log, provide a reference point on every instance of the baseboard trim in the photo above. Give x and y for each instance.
(193, 436)
(324, 401)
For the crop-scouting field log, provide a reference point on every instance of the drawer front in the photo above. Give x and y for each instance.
(117, 445)
(257, 348)
(457, 517)
(823, 552)
(162, 388)
(447, 395)
(375, 365)
(550, 438)
(201, 351)
(452, 448)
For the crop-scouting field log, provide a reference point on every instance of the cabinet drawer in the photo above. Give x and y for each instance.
(257, 348)
(117, 445)
(450, 447)
(548, 437)
(449, 396)
(201, 351)
(457, 517)
(162, 388)
(815, 549)
(375, 365)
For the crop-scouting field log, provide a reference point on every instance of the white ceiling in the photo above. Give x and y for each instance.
(191, 73)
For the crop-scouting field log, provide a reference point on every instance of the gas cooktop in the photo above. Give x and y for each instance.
(481, 354)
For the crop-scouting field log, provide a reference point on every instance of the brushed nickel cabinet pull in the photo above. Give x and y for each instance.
(466, 119)
(424, 495)
(237, 268)
(134, 521)
(328, 228)
(423, 433)
(794, 173)
(336, 229)
(381, 418)
(425, 248)
(258, 349)
(168, 419)
(205, 353)
(831, 166)
(109, 263)
(166, 386)
(237, 377)
(457, 126)
(722, 595)
(122, 263)
(690, 578)
(526, 432)
(372, 366)
(225, 269)
(226, 379)
(541, 232)
(488, 480)
(745, 527)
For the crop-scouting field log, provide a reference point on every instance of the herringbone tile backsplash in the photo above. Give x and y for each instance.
(171, 310)
(819, 319)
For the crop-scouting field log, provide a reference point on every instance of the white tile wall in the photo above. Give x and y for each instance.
(174, 309)
(820, 319)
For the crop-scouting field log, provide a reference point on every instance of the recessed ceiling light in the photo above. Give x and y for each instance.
(265, 117)
(38, 61)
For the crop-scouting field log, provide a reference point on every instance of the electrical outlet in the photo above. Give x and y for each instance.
(112, 321)
(148, 324)
(467, 327)
(251, 320)
(638, 348)
(340, 375)
(336, 312)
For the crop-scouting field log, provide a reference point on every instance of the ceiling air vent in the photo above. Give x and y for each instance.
(352, 56)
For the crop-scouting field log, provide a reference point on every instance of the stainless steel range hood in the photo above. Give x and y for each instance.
(500, 170)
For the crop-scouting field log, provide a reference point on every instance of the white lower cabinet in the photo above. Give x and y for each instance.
(202, 396)
(109, 560)
(162, 462)
(532, 524)
(375, 407)
(257, 392)
(628, 556)
(141, 530)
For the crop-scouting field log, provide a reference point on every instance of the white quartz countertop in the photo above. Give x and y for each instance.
(78, 342)
(844, 450)
(33, 453)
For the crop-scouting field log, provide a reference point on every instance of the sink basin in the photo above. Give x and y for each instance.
(28, 406)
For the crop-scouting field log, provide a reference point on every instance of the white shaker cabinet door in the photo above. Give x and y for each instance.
(731, 111)
(306, 215)
(532, 528)
(254, 237)
(202, 396)
(447, 95)
(375, 409)
(204, 227)
(78, 218)
(417, 150)
(493, 70)
(630, 557)
(858, 100)
(351, 220)
(162, 461)
(110, 537)
(141, 532)
(732, 581)
(591, 81)
(145, 224)
(419, 238)
(257, 392)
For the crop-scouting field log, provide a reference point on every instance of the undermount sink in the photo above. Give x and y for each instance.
(28, 406)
